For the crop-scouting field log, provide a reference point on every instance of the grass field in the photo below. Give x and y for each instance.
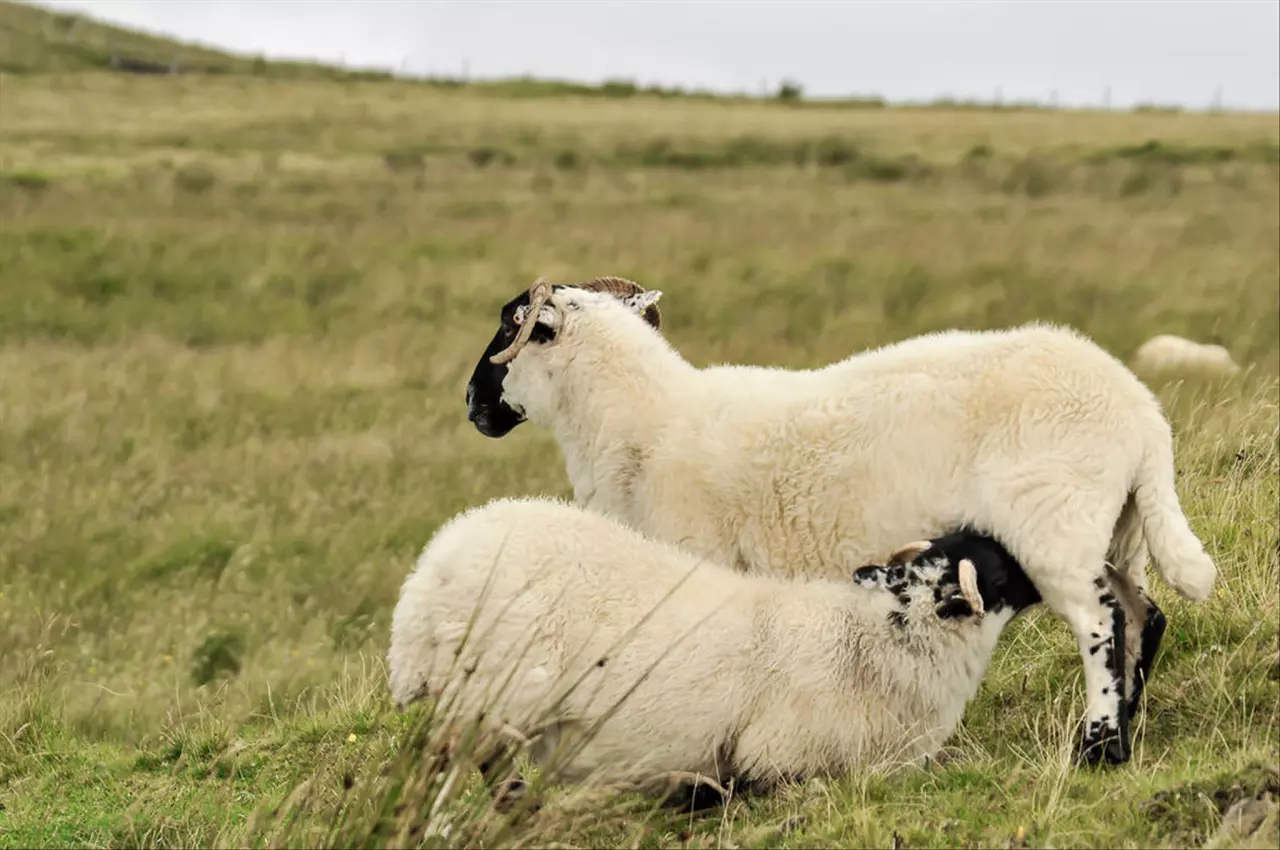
(237, 316)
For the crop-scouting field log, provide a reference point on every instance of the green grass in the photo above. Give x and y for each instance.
(237, 316)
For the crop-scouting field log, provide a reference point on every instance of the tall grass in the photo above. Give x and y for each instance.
(235, 332)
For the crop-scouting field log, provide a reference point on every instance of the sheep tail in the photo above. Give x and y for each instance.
(1178, 554)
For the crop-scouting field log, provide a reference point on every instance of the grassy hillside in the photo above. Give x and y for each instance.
(37, 40)
(237, 315)
(34, 39)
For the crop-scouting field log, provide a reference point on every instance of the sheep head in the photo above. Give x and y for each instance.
(539, 295)
(537, 317)
(627, 291)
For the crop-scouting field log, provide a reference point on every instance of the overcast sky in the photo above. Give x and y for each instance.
(1163, 51)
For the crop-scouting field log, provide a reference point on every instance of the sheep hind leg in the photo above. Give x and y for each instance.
(1149, 643)
(1144, 621)
(1099, 629)
(1143, 643)
(693, 796)
(1144, 630)
(1056, 519)
(1073, 582)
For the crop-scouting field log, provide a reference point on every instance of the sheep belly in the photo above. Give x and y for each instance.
(662, 698)
(811, 491)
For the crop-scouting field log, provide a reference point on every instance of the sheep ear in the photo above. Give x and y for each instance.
(642, 301)
(904, 554)
(968, 579)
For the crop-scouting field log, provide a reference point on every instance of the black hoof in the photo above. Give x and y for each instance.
(1107, 748)
(695, 799)
(511, 792)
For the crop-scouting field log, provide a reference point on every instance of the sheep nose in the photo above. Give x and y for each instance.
(471, 393)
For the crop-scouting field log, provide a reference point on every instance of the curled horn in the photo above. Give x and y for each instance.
(620, 287)
(539, 294)
(969, 587)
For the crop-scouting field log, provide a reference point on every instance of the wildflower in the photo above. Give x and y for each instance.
(351, 739)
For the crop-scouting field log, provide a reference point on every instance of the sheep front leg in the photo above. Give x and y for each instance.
(506, 786)
(1099, 628)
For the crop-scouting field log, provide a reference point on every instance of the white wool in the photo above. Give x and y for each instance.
(752, 677)
(1033, 434)
(1167, 353)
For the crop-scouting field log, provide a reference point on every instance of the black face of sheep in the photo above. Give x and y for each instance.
(1000, 577)
(1001, 581)
(492, 416)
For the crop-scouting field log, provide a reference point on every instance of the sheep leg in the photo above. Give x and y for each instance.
(1099, 628)
(1054, 516)
(1152, 634)
(506, 786)
(1144, 629)
(688, 797)
(693, 798)
(1144, 622)
(1097, 619)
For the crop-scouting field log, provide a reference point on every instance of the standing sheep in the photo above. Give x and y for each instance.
(1033, 435)
(627, 659)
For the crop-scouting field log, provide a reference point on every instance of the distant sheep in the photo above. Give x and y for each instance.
(538, 619)
(1167, 354)
(1033, 435)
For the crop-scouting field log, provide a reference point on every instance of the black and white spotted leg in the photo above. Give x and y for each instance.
(1144, 629)
(506, 786)
(1099, 630)
(1152, 635)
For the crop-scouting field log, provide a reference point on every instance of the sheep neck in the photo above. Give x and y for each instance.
(923, 654)
(608, 421)
(956, 664)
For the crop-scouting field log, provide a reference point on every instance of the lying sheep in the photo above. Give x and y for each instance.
(629, 660)
(1167, 354)
(1033, 435)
